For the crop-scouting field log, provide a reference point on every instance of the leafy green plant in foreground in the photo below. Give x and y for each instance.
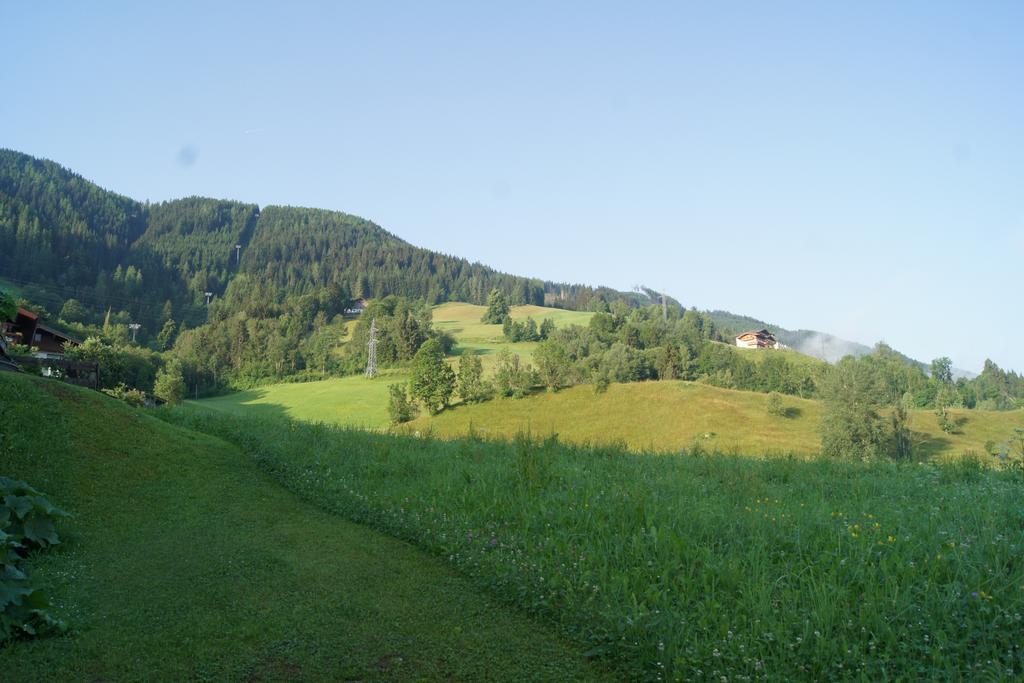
(26, 525)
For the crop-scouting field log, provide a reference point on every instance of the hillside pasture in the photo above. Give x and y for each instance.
(695, 566)
(462, 320)
(670, 416)
(184, 561)
(354, 401)
(652, 416)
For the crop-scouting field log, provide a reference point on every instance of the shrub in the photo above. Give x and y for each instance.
(774, 405)
(123, 392)
(511, 378)
(400, 407)
(946, 423)
(472, 387)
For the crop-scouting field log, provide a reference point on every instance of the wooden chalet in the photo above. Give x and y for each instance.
(47, 351)
(27, 330)
(357, 307)
(757, 339)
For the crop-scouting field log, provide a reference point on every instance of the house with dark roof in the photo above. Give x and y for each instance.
(27, 330)
(757, 339)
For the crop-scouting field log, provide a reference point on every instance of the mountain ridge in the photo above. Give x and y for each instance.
(149, 261)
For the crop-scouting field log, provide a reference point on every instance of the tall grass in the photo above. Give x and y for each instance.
(694, 566)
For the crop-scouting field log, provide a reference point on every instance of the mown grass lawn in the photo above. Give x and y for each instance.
(184, 561)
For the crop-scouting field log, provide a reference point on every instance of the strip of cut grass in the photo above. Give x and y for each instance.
(184, 562)
(693, 567)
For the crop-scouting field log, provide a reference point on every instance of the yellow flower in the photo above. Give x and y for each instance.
(892, 539)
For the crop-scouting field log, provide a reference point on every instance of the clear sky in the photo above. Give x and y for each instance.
(850, 167)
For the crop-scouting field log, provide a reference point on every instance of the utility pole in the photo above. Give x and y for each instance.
(209, 295)
(238, 254)
(134, 327)
(371, 360)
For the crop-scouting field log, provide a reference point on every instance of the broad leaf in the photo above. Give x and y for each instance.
(41, 530)
(19, 504)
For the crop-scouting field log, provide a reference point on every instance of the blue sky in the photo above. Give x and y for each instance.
(849, 167)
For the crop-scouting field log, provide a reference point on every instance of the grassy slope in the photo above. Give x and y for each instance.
(184, 562)
(668, 416)
(355, 401)
(663, 416)
(659, 416)
(359, 402)
(696, 567)
(462, 321)
(791, 356)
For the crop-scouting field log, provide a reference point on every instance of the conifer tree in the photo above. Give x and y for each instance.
(497, 308)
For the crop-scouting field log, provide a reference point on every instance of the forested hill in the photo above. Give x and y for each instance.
(92, 256)
(64, 238)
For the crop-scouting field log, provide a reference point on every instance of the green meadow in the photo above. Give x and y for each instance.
(697, 565)
(355, 401)
(651, 416)
(359, 402)
(462, 320)
(184, 561)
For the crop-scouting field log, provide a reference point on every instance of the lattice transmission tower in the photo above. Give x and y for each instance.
(371, 348)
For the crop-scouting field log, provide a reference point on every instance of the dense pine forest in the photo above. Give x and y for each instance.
(65, 238)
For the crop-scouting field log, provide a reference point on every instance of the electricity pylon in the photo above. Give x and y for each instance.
(371, 348)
